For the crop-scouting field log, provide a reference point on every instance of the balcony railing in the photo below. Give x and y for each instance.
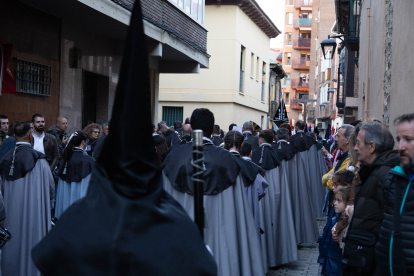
(301, 43)
(303, 3)
(300, 63)
(295, 105)
(299, 83)
(303, 22)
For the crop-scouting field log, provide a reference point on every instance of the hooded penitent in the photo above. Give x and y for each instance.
(127, 224)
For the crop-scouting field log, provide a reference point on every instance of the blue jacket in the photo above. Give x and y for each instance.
(8, 145)
(330, 254)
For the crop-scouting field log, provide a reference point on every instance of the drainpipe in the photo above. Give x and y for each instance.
(270, 94)
(367, 78)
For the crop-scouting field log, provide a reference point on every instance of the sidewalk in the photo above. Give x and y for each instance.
(306, 265)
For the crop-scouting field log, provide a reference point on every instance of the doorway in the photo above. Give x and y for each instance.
(94, 98)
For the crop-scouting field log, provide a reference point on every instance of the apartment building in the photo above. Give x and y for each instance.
(296, 54)
(236, 86)
(67, 54)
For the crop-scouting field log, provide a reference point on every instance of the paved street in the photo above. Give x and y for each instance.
(306, 265)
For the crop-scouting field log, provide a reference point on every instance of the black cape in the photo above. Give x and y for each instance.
(301, 142)
(98, 147)
(217, 140)
(78, 167)
(249, 170)
(172, 139)
(266, 157)
(221, 169)
(284, 150)
(254, 141)
(25, 161)
(126, 224)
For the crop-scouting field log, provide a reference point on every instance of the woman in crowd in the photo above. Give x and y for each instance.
(93, 131)
(74, 173)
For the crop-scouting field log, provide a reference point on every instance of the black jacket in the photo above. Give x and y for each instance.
(253, 140)
(369, 204)
(403, 243)
(217, 140)
(50, 146)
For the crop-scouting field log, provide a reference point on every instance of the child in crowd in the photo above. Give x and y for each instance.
(330, 254)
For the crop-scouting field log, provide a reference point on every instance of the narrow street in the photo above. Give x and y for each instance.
(306, 265)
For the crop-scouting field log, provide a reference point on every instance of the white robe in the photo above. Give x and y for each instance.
(27, 202)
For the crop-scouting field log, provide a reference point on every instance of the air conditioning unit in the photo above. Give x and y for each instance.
(321, 125)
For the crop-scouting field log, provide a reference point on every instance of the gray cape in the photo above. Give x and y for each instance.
(279, 226)
(27, 202)
(69, 193)
(314, 178)
(230, 229)
(306, 227)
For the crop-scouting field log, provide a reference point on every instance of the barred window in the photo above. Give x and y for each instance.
(170, 114)
(33, 78)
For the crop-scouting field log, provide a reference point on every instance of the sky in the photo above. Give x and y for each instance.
(275, 10)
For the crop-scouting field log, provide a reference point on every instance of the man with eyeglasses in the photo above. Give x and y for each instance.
(342, 140)
(44, 142)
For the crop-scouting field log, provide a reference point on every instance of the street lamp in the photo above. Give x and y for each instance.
(328, 45)
(331, 92)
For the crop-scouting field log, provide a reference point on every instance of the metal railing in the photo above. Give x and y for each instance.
(295, 105)
(299, 83)
(303, 22)
(303, 3)
(300, 63)
(301, 43)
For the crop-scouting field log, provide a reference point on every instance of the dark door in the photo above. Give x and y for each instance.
(95, 98)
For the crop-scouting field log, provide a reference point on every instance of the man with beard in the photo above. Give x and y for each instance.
(394, 252)
(44, 142)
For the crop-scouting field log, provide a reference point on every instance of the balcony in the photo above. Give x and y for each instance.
(300, 63)
(302, 22)
(299, 84)
(301, 43)
(294, 105)
(303, 3)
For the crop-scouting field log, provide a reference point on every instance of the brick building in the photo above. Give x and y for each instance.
(72, 50)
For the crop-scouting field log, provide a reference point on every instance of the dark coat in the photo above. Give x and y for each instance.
(284, 150)
(301, 142)
(7, 145)
(330, 254)
(397, 176)
(217, 140)
(369, 204)
(51, 150)
(253, 140)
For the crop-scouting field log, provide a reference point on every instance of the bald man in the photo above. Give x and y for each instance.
(59, 131)
(187, 131)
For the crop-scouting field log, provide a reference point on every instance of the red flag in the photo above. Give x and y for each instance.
(8, 85)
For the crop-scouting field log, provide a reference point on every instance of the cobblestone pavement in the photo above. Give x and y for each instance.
(306, 265)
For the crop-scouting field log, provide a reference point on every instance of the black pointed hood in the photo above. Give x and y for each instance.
(126, 224)
(281, 115)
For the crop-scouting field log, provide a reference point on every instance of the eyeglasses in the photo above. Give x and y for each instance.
(97, 132)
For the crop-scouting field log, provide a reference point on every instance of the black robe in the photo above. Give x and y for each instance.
(77, 168)
(249, 170)
(217, 140)
(284, 149)
(266, 157)
(25, 160)
(301, 142)
(221, 169)
(254, 141)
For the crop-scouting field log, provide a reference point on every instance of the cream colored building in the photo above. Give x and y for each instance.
(236, 85)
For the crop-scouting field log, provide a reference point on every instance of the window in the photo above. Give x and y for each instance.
(286, 98)
(242, 65)
(290, 18)
(251, 65)
(308, 57)
(170, 114)
(33, 78)
(257, 69)
(289, 55)
(289, 38)
(287, 79)
(193, 8)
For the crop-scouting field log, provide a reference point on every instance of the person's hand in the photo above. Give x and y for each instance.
(349, 209)
(331, 174)
(65, 140)
(324, 151)
(335, 236)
